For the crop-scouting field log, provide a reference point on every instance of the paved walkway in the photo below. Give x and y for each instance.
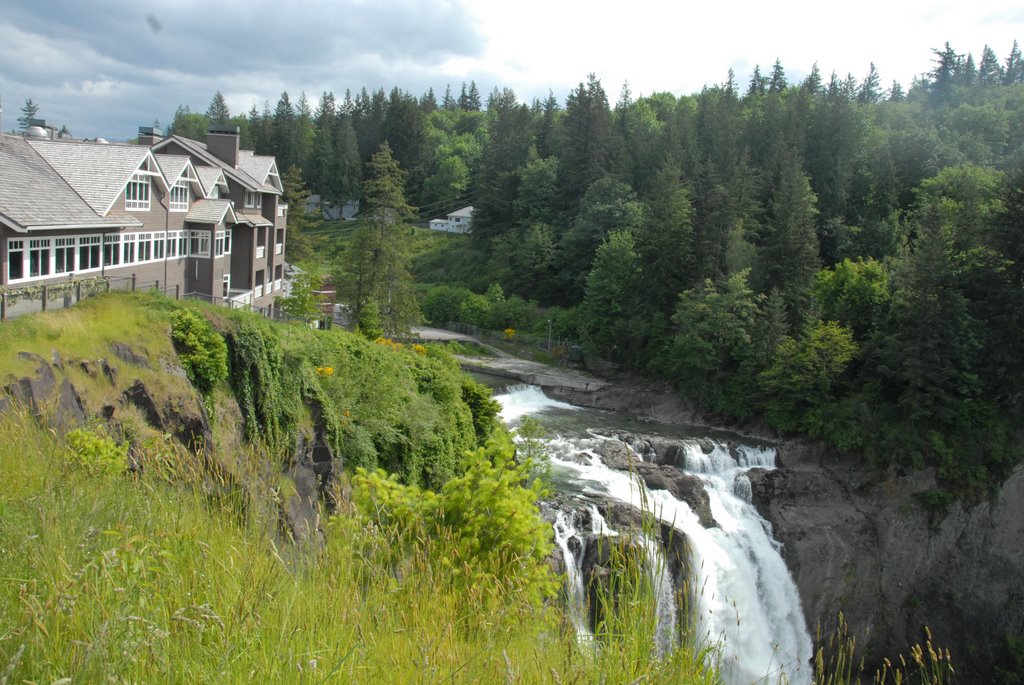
(524, 370)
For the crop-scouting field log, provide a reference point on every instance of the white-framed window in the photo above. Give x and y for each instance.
(136, 193)
(199, 243)
(38, 257)
(89, 252)
(279, 245)
(226, 285)
(15, 259)
(158, 245)
(179, 197)
(145, 249)
(128, 251)
(63, 255)
(172, 243)
(112, 250)
(253, 200)
(227, 242)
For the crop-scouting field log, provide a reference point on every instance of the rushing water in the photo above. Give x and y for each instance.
(747, 604)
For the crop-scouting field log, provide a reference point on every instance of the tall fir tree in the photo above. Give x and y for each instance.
(218, 112)
(28, 112)
(990, 71)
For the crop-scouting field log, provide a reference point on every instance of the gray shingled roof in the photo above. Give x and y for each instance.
(252, 218)
(34, 195)
(238, 174)
(96, 172)
(259, 167)
(171, 166)
(208, 211)
(208, 176)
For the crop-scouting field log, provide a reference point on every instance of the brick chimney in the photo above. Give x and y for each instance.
(222, 142)
(150, 135)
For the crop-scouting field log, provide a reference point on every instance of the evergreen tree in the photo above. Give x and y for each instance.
(777, 82)
(378, 259)
(896, 92)
(813, 83)
(428, 103)
(284, 140)
(788, 258)
(449, 103)
(613, 293)
(28, 112)
(757, 83)
(586, 140)
(870, 90)
(968, 75)
(304, 131)
(218, 112)
(1014, 70)
(943, 77)
(990, 71)
(665, 241)
(322, 169)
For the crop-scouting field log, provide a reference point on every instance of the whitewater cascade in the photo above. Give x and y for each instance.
(747, 603)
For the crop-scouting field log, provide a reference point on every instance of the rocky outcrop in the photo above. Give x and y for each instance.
(45, 396)
(862, 541)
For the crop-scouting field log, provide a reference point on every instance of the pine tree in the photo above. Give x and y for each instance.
(990, 71)
(1014, 70)
(757, 82)
(378, 259)
(896, 92)
(812, 84)
(218, 112)
(968, 75)
(449, 103)
(788, 259)
(870, 90)
(943, 77)
(777, 82)
(285, 133)
(473, 99)
(28, 112)
(428, 103)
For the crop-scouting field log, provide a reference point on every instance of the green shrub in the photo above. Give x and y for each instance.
(203, 353)
(96, 454)
(483, 528)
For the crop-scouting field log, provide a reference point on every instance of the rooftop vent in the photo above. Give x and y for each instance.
(103, 141)
(36, 132)
(150, 131)
(223, 129)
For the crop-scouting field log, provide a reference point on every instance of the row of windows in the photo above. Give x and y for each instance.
(43, 257)
(136, 195)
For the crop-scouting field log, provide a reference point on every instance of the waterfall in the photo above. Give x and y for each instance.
(747, 605)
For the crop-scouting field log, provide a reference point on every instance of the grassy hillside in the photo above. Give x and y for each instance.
(177, 571)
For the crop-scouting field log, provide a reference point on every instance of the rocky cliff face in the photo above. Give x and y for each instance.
(135, 397)
(861, 541)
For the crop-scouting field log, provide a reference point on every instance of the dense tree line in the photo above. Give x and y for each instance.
(828, 256)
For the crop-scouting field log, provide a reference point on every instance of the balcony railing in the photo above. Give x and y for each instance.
(278, 248)
(277, 284)
(261, 251)
(257, 292)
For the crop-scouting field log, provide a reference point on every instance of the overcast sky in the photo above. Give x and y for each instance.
(105, 67)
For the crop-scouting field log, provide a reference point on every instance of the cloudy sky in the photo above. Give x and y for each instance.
(105, 67)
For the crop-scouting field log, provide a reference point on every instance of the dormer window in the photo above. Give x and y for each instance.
(253, 200)
(136, 193)
(179, 197)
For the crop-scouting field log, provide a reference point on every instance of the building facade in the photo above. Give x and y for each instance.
(199, 218)
(459, 221)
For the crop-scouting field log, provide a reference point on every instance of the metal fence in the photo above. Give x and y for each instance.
(557, 346)
(15, 302)
(267, 312)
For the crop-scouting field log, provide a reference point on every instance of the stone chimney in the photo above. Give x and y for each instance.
(150, 135)
(222, 142)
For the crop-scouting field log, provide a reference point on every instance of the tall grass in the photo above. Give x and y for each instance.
(147, 577)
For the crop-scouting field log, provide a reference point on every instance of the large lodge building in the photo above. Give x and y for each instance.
(194, 218)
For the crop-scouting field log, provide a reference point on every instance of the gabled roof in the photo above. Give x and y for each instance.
(262, 169)
(177, 168)
(211, 177)
(98, 173)
(35, 196)
(211, 212)
(239, 174)
(465, 212)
